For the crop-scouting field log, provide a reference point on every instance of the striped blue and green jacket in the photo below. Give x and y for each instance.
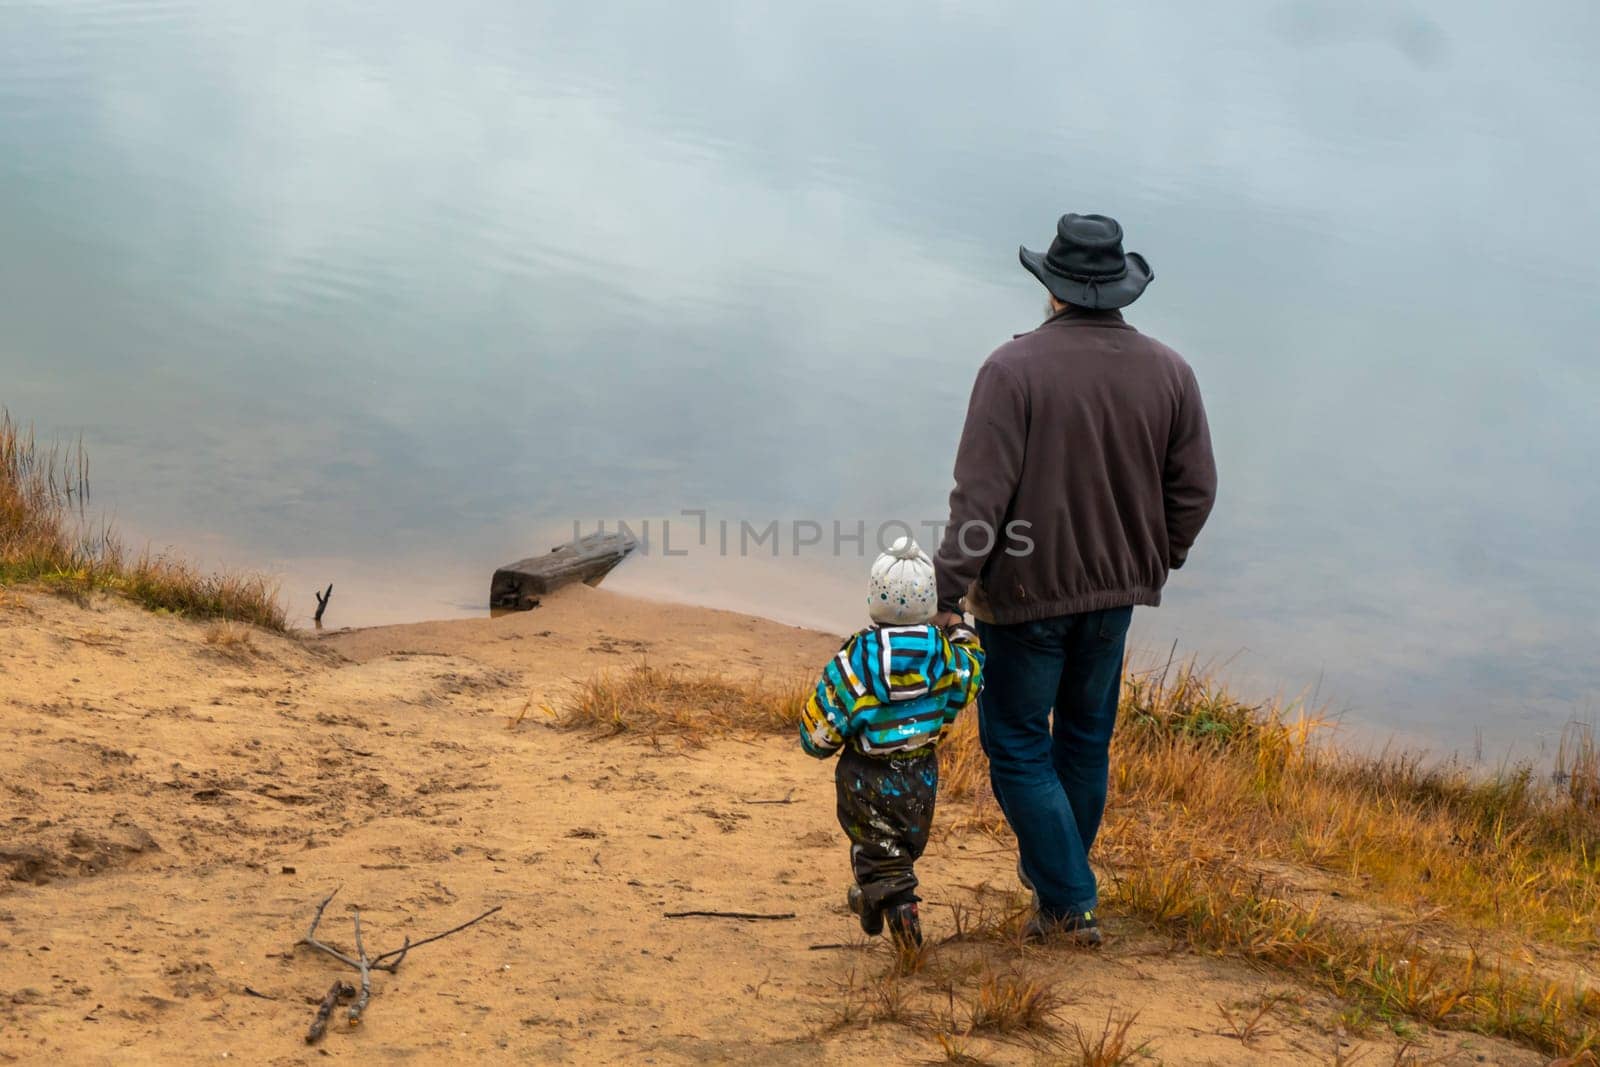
(892, 689)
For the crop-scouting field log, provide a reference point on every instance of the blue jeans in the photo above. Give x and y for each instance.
(1050, 777)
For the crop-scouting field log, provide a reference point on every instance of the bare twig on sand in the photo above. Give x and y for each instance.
(362, 963)
(400, 953)
(407, 946)
(787, 798)
(366, 976)
(745, 915)
(319, 1025)
(311, 935)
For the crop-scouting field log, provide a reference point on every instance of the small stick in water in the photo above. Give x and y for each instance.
(322, 603)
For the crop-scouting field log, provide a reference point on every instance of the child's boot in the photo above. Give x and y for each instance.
(905, 927)
(871, 918)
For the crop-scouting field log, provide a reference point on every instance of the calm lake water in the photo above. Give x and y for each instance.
(387, 294)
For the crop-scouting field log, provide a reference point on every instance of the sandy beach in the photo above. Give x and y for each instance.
(178, 797)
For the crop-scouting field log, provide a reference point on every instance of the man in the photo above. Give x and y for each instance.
(1083, 476)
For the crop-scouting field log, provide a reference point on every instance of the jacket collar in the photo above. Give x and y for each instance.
(1085, 317)
(1072, 316)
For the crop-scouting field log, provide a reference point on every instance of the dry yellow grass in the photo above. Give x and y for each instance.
(1010, 1001)
(1502, 853)
(230, 637)
(1110, 1046)
(1248, 1021)
(654, 701)
(955, 997)
(45, 539)
(1212, 798)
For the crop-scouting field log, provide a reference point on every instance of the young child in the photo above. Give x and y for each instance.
(886, 698)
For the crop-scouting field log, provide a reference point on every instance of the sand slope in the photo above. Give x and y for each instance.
(171, 811)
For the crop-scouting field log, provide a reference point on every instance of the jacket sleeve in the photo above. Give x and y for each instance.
(988, 464)
(1189, 475)
(825, 720)
(966, 656)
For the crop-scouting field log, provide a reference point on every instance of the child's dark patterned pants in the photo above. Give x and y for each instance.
(886, 808)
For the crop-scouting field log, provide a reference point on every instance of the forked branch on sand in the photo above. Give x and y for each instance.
(362, 963)
(365, 966)
(336, 992)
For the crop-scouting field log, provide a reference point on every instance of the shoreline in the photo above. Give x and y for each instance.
(1364, 729)
(1360, 739)
(1410, 721)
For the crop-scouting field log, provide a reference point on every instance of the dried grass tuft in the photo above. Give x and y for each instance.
(231, 637)
(652, 701)
(1108, 1046)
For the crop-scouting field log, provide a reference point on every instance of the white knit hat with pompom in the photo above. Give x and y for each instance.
(902, 590)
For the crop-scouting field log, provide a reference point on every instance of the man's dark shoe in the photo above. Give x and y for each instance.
(1082, 930)
(871, 918)
(905, 927)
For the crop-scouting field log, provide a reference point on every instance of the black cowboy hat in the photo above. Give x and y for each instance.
(1086, 265)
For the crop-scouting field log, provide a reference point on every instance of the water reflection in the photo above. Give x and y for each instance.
(390, 296)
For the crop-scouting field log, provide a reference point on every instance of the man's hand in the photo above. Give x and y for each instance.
(946, 619)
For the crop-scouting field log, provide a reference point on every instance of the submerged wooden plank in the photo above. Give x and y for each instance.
(518, 586)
